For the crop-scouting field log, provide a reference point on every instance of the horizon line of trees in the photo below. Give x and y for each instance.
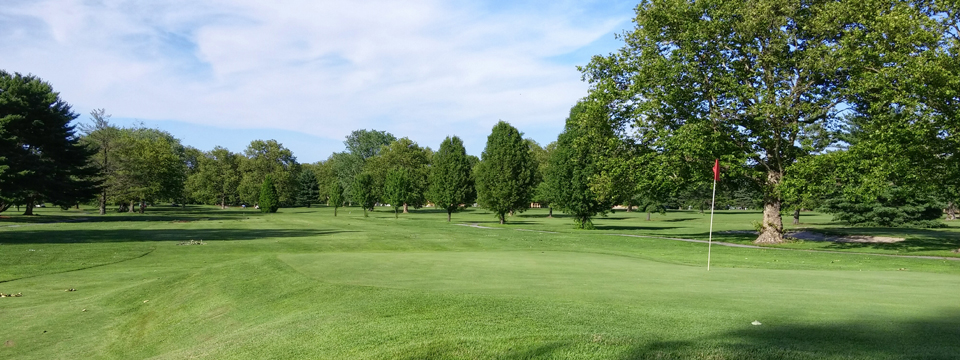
(850, 107)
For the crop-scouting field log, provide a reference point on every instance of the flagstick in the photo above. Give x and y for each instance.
(710, 238)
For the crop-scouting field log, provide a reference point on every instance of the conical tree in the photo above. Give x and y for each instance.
(39, 148)
(574, 162)
(268, 196)
(505, 175)
(450, 183)
(309, 188)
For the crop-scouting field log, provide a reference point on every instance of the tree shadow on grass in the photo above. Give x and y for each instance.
(934, 338)
(131, 235)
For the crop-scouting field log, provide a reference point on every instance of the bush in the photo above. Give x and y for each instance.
(894, 208)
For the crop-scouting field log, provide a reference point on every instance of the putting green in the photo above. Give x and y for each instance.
(602, 278)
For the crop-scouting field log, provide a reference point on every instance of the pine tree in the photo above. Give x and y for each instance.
(505, 175)
(39, 148)
(309, 188)
(268, 196)
(450, 182)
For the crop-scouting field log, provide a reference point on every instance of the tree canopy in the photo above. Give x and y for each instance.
(757, 83)
(41, 157)
(451, 183)
(506, 173)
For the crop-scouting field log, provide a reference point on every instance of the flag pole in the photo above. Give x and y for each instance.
(710, 239)
(716, 176)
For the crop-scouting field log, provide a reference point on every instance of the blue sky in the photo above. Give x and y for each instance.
(306, 73)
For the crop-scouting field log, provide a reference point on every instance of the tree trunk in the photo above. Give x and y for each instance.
(952, 211)
(648, 216)
(449, 212)
(551, 212)
(78, 206)
(335, 211)
(131, 210)
(502, 220)
(223, 202)
(796, 216)
(772, 227)
(405, 209)
(143, 204)
(628, 207)
(29, 207)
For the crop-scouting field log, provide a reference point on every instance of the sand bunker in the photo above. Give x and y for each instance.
(815, 236)
(812, 236)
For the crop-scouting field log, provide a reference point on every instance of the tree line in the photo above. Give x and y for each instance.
(849, 107)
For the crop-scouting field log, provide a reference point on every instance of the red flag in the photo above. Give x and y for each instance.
(716, 170)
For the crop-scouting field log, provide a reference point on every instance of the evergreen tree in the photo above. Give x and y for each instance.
(505, 175)
(42, 155)
(309, 188)
(397, 189)
(335, 196)
(363, 192)
(450, 180)
(268, 196)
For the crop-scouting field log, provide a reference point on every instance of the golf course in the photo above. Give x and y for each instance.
(200, 282)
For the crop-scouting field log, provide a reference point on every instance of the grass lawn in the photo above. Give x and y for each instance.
(305, 284)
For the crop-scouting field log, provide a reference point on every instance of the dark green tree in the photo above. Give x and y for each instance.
(39, 148)
(335, 196)
(269, 157)
(573, 164)
(216, 178)
(363, 192)
(269, 202)
(450, 182)
(367, 143)
(506, 174)
(758, 84)
(398, 188)
(402, 154)
(309, 188)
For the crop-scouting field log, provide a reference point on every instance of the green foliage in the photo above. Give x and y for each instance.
(757, 84)
(269, 201)
(40, 154)
(335, 196)
(269, 157)
(367, 143)
(363, 192)
(506, 173)
(216, 177)
(896, 207)
(451, 183)
(573, 164)
(407, 155)
(309, 188)
(398, 189)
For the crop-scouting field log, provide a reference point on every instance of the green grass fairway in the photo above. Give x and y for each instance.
(305, 284)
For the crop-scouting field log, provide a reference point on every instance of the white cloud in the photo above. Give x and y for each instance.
(424, 69)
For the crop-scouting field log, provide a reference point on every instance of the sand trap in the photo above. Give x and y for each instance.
(813, 236)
